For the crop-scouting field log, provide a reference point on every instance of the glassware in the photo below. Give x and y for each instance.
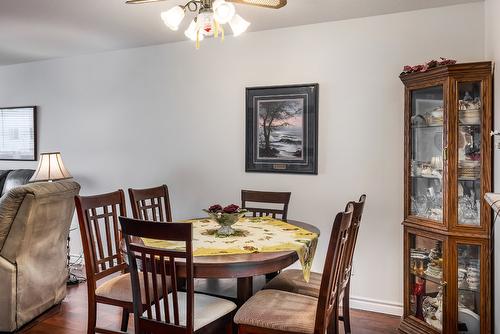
(469, 153)
(427, 153)
(426, 275)
(469, 280)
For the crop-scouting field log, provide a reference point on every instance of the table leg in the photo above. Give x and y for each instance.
(245, 289)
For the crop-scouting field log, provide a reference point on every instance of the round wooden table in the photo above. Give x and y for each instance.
(245, 266)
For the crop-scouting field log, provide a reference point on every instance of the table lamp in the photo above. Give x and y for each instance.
(50, 168)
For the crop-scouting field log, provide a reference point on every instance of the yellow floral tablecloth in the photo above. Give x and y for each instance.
(254, 235)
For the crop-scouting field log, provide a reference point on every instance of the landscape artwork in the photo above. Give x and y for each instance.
(281, 129)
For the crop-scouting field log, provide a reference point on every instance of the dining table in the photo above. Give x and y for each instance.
(244, 267)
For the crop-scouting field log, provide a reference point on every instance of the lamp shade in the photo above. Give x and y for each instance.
(239, 25)
(50, 168)
(173, 17)
(223, 11)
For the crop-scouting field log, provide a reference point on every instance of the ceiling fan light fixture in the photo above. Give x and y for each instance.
(211, 16)
(238, 25)
(173, 17)
(223, 11)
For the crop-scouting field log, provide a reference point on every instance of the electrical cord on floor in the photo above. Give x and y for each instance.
(74, 267)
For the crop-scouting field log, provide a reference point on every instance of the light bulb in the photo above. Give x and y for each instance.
(223, 11)
(238, 25)
(173, 17)
(192, 31)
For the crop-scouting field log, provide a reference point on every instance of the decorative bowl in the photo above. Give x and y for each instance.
(226, 221)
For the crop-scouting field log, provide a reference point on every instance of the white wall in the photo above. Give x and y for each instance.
(171, 114)
(492, 33)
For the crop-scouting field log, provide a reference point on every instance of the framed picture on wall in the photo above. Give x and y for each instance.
(282, 129)
(18, 133)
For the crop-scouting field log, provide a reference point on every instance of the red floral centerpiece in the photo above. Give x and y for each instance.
(427, 66)
(225, 217)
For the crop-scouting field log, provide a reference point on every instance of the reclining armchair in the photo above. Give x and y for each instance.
(34, 225)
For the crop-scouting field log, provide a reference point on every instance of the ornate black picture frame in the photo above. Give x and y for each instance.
(282, 129)
(18, 133)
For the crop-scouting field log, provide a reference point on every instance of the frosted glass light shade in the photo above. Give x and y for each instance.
(173, 17)
(50, 168)
(192, 30)
(238, 25)
(223, 11)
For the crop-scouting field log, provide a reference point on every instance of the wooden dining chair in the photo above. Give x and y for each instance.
(279, 312)
(280, 198)
(179, 311)
(98, 220)
(151, 204)
(345, 288)
(292, 280)
(267, 197)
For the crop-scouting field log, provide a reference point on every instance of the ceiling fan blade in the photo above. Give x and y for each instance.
(275, 4)
(133, 2)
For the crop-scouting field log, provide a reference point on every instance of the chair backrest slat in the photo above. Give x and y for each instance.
(151, 204)
(98, 221)
(109, 238)
(328, 297)
(145, 279)
(159, 315)
(163, 274)
(156, 295)
(269, 197)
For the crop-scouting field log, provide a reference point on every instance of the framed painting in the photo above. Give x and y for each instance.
(282, 129)
(18, 133)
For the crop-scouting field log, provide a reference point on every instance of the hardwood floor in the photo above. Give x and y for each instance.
(71, 317)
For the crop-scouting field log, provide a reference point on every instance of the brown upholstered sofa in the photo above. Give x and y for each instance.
(34, 224)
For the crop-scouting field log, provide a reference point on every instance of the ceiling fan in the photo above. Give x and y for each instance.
(275, 4)
(210, 16)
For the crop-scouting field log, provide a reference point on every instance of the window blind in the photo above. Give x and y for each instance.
(17, 134)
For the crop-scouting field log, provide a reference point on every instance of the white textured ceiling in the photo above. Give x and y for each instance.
(32, 30)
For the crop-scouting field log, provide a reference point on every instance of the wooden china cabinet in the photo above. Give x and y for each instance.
(447, 222)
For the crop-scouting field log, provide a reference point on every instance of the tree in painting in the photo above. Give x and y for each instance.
(280, 128)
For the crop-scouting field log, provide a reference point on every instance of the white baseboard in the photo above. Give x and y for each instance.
(374, 305)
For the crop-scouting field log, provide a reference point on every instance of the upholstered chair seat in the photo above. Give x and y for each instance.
(120, 288)
(207, 309)
(279, 310)
(292, 280)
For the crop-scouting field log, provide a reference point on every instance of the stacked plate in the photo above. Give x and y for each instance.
(470, 116)
(435, 268)
(469, 169)
(435, 117)
(469, 110)
(473, 275)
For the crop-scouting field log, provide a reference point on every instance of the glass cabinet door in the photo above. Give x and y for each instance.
(469, 296)
(469, 153)
(427, 119)
(426, 276)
